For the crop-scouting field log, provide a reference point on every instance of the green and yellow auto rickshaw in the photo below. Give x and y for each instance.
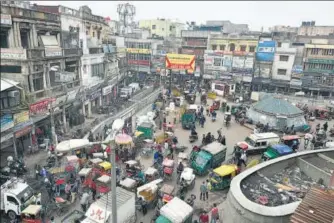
(275, 151)
(147, 129)
(221, 177)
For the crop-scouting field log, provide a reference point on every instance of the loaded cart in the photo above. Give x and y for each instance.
(175, 211)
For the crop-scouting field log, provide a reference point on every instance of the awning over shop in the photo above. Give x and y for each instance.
(6, 84)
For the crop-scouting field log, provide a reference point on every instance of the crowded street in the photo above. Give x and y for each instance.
(141, 112)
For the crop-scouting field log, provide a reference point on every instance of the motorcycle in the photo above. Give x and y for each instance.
(193, 138)
(191, 200)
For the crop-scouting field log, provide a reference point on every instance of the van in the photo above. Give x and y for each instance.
(258, 143)
(135, 86)
(125, 92)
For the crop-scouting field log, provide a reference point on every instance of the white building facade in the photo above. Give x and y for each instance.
(283, 62)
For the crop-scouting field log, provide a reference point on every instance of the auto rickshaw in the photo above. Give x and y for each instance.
(166, 192)
(221, 177)
(191, 98)
(149, 192)
(147, 129)
(102, 184)
(151, 174)
(216, 104)
(32, 214)
(275, 151)
(292, 141)
(212, 95)
(105, 167)
(203, 99)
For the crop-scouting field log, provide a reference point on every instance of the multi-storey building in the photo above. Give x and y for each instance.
(229, 27)
(163, 27)
(16, 124)
(32, 54)
(99, 59)
(310, 29)
(319, 67)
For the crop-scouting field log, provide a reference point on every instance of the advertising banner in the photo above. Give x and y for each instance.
(6, 122)
(180, 61)
(41, 107)
(107, 90)
(136, 51)
(6, 19)
(13, 54)
(266, 51)
(227, 61)
(21, 117)
(53, 52)
(297, 71)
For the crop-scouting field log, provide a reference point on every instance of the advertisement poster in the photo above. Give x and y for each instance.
(266, 51)
(6, 122)
(180, 61)
(227, 61)
(243, 62)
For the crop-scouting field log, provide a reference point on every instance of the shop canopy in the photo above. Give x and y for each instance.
(72, 144)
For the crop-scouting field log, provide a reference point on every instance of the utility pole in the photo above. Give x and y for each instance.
(113, 183)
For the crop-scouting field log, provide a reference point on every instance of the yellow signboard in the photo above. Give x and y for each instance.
(21, 117)
(180, 61)
(135, 50)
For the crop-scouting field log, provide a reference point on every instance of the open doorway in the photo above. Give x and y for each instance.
(4, 38)
(24, 33)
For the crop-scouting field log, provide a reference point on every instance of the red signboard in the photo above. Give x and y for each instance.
(139, 62)
(41, 106)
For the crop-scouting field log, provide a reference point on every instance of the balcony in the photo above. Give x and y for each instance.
(29, 14)
(72, 52)
(41, 53)
(95, 50)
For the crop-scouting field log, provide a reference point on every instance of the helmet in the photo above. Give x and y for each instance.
(10, 159)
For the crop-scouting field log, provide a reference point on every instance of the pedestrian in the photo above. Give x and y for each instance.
(52, 219)
(93, 193)
(243, 158)
(208, 185)
(214, 213)
(68, 190)
(204, 191)
(84, 201)
(325, 126)
(204, 218)
(223, 141)
(227, 108)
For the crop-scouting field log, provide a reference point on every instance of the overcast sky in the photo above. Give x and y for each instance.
(256, 14)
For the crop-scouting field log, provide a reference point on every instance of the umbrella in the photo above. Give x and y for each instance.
(72, 144)
(123, 139)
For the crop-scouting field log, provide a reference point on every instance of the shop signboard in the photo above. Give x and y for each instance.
(53, 52)
(6, 122)
(6, 19)
(23, 132)
(41, 107)
(93, 95)
(297, 71)
(13, 54)
(139, 62)
(266, 51)
(107, 90)
(22, 120)
(320, 61)
(180, 61)
(137, 51)
(6, 137)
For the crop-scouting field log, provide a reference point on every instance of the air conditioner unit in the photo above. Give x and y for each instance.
(13, 94)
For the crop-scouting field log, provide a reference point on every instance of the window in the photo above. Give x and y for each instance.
(38, 84)
(10, 69)
(263, 143)
(217, 61)
(252, 49)
(314, 51)
(98, 34)
(281, 72)
(242, 48)
(4, 38)
(97, 70)
(214, 47)
(12, 200)
(93, 34)
(222, 47)
(279, 44)
(170, 28)
(232, 47)
(283, 58)
(24, 39)
(153, 26)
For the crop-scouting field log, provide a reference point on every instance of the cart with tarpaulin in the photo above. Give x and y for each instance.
(175, 211)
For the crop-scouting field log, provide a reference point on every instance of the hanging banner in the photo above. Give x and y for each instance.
(180, 61)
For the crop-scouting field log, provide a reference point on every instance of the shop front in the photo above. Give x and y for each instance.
(7, 124)
(22, 132)
(107, 94)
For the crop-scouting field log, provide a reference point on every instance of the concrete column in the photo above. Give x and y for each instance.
(64, 119)
(31, 39)
(58, 39)
(83, 109)
(89, 109)
(100, 101)
(45, 83)
(34, 35)
(330, 94)
(15, 35)
(11, 38)
(32, 88)
(18, 34)
(47, 76)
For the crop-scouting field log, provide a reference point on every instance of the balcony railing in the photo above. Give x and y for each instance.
(95, 50)
(29, 14)
(72, 52)
(38, 53)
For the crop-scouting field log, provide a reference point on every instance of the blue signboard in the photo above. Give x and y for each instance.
(7, 122)
(266, 51)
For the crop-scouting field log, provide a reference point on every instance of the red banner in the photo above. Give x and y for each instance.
(139, 62)
(41, 106)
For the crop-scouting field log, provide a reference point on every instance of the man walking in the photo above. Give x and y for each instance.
(204, 191)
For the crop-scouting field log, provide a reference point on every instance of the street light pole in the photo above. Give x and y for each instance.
(113, 184)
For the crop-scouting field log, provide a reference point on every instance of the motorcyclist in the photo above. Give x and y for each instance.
(193, 132)
(180, 168)
(175, 141)
(208, 138)
(214, 114)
